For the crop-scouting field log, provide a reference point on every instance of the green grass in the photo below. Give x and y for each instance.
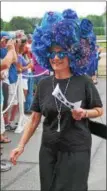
(101, 37)
(102, 44)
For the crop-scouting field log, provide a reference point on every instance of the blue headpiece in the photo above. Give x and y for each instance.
(66, 30)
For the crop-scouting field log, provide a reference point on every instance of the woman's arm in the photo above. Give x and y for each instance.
(93, 113)
(19, 67)
(29, 130)
(7, 61)
(10, 57)
(30, 65)
(80, 113)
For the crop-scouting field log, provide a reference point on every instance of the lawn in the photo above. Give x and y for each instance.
(101, 37)
(102, 44)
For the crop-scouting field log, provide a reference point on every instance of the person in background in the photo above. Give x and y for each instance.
(28, 56)
(98, 57)
(5, 36)
(23, 66)
(39, 71)
(27, 48)
(65, 47)
(9, 116)
(93, 69)
(5, 64)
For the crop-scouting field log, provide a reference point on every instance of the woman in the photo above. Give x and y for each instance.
(28, 56)
(65, 155)
(23, 66)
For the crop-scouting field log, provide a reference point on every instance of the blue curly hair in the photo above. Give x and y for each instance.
(74, 36)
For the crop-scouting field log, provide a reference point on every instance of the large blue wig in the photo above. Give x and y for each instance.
(74, 36)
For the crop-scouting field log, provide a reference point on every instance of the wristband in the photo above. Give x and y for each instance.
(86, 114)
(20, 146)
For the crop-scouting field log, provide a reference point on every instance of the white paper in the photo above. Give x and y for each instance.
(59, 95)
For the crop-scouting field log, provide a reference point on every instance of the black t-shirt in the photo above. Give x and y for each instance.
(74, 135)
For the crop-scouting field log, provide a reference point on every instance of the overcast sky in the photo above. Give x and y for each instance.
(37, 9)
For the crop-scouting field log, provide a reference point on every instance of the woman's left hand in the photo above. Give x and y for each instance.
(78, 114)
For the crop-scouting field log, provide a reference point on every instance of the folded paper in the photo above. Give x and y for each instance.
(59, 95)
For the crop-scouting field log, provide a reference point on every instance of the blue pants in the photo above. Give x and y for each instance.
(29, 97)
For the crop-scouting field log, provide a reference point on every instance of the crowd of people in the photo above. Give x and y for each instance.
(17, 57)
(27, 65)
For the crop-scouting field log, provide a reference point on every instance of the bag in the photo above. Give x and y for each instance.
(98, 129)
(13, 74)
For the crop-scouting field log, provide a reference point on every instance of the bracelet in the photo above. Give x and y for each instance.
(20, 146)
(86, 114)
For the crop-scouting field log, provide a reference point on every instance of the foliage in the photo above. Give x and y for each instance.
(99, 30)
(96, 20)
(102, 44)
(21, 23)
(28, 24)
(1, 24)
(101, 37)
(99, 23)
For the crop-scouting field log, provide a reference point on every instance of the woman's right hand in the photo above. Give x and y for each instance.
(15, 154)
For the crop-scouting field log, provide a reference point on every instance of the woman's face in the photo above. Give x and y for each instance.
(58, 59)
(3, 42)
(21, 49)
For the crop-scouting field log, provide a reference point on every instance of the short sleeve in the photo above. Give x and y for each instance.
(36, 101)
(19, 59)
(22, 61)
(92, 95)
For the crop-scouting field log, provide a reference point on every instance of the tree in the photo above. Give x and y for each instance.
(1, 24)
(28, 24)
(6, 26)
(34, 21)
(99, 23)
(96, 20)
(21, 23)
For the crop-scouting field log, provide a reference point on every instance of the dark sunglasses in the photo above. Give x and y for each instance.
(60, 55)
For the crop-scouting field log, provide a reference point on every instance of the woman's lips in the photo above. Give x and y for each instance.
(56, 63)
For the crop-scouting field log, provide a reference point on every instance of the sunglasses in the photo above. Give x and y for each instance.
(60, 55)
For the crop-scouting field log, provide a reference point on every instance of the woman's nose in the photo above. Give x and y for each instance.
(56, 57)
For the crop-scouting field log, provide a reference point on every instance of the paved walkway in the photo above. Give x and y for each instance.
(25, 175)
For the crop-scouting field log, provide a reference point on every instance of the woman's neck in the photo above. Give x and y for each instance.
(62, 74)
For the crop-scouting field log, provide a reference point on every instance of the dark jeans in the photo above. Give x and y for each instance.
(64, 171)
(5, 88)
